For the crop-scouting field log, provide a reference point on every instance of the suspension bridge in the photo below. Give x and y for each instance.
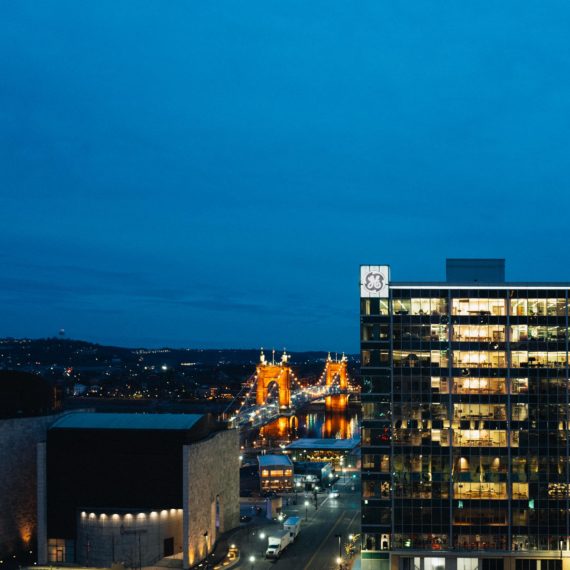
(274, 391)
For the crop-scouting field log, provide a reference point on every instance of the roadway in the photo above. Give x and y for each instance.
(317, 546)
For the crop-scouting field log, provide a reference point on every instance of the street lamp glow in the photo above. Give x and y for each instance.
(252, 559)
(338, 560)
(262, 535)
(351, 537)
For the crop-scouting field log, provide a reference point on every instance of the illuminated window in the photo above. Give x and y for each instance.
(478, 307)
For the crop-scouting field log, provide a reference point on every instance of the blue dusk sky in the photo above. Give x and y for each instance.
(211, 174)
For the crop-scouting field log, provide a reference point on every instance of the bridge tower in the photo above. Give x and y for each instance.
(272, 372)
(336, 368)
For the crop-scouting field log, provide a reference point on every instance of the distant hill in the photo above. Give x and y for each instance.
(69, 352)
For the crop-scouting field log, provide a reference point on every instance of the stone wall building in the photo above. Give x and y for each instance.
(134, 488)
(18, 506)
(27, 409)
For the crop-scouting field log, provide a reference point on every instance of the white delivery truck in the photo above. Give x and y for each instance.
(277, 542)
(293, 525)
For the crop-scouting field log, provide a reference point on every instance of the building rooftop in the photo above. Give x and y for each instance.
(325, 443)
(271, 460)
(87, 420)
(478, 285)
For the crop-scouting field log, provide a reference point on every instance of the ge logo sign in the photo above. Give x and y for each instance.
(374, 281)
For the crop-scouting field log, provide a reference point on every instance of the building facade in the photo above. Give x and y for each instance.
(135, 488)
(465, 441)
(275, 473)
(28, 406)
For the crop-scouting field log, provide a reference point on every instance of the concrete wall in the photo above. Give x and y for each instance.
(18, 505)
(211, 473)
(129, 538)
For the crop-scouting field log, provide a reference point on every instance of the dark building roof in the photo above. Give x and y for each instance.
(24, 394)
(327, 444)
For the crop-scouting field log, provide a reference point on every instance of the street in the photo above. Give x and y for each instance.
(317, 546)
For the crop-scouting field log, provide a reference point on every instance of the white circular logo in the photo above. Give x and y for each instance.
(374, 281)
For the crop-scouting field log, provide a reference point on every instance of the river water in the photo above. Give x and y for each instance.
(312, 422)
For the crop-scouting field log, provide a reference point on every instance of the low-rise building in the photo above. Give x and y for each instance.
(315, 473)
(339, 452)
(275, 473)
(134, 488)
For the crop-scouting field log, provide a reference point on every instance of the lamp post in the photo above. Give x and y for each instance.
(306, 510)
(339, 561)
(262, 538)
(339, 536)
(252, 560)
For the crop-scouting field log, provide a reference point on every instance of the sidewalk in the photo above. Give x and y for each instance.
(356, 563)
(219, 557)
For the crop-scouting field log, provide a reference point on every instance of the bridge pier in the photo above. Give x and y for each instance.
(336, 403)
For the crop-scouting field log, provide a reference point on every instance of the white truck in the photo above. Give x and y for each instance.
(293, 525)
(277, 542)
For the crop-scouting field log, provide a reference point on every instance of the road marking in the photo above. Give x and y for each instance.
(352, 519)
(340, 517)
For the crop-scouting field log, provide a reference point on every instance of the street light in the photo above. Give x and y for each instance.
(339, 561)
(306, 510)
(252, 560)
(339, 536)
(262, 537)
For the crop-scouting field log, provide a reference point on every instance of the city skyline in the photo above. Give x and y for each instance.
(213, 175)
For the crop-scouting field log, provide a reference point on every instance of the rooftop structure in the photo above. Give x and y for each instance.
(271, 460)
(128, 421)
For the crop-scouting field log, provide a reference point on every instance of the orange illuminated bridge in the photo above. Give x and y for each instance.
(274, 390)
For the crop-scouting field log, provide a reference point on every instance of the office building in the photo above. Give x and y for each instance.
(465, 402)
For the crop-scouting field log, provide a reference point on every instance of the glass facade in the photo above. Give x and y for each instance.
(465, 441)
